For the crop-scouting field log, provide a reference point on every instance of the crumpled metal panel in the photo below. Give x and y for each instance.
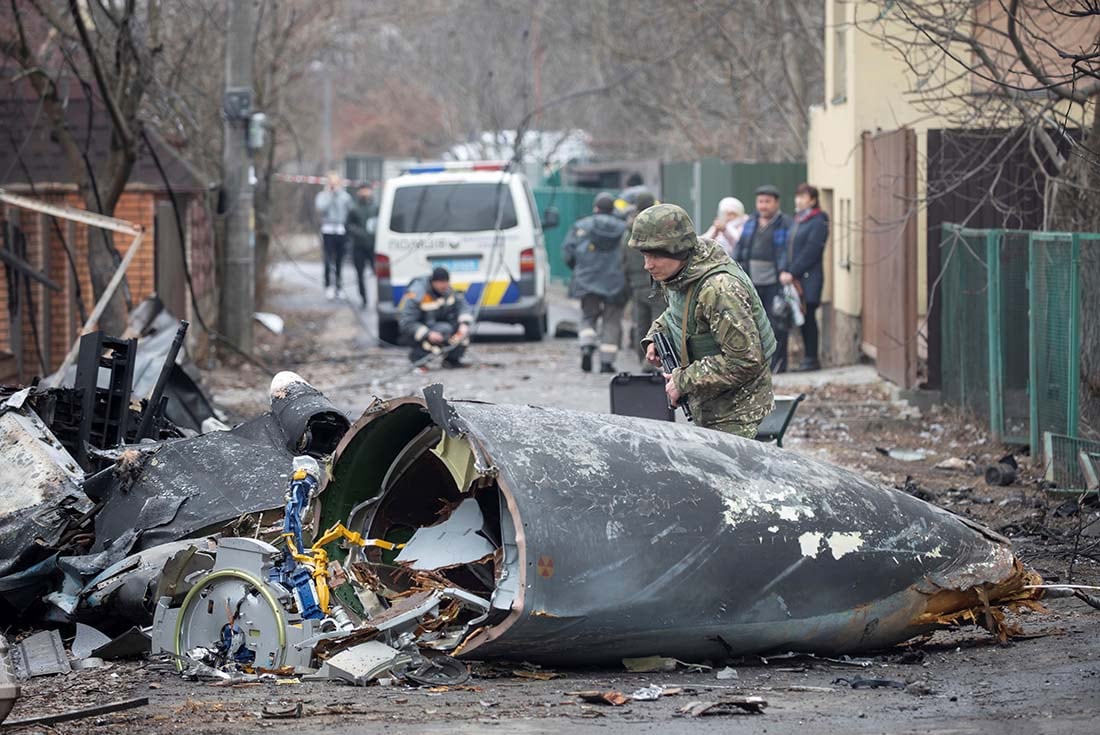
(39, 490)
(641, 537)
(191, 486)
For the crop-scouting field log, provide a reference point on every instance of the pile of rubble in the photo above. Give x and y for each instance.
(433, 532)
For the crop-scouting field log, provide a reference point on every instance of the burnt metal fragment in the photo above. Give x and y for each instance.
(620, 537)
(195, 486)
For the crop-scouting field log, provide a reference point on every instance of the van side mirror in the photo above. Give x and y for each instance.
(550, 218)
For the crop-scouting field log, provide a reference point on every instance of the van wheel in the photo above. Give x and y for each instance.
(534, 329)
(388, 333)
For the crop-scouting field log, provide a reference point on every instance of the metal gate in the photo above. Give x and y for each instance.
(889, 259)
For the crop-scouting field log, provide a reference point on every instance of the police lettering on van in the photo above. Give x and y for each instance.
(477, 220)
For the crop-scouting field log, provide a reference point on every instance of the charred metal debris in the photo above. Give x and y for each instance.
(433, 532)
(461, 530)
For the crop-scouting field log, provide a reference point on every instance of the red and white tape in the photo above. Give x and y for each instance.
(319, 180)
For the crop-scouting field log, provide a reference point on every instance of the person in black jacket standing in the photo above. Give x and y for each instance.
(806, 247)
(361, 225)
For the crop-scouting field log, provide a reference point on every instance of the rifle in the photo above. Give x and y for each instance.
(669, 362)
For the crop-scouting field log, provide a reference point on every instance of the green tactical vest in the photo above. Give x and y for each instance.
(679, 319)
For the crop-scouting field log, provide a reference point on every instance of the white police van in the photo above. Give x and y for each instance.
(479, 221)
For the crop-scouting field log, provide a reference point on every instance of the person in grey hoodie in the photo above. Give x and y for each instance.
(332, 204)
(593, 251)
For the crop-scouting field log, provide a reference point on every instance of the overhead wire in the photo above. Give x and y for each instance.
(196, 309)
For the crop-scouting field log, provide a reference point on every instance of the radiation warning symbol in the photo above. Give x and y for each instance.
(546, 566)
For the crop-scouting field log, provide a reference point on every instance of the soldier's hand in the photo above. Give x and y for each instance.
(786, 278)
(651, 355)
(435, 338)
(674, 395)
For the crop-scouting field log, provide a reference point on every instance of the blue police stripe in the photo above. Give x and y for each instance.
(511, 295)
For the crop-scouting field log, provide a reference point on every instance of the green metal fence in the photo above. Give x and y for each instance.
(1011, 332)
(1064, 468)
(698, 185)
(965, 332)
(572, 204)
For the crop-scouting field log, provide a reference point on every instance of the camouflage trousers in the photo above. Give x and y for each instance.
(746, 430)
(738, 411)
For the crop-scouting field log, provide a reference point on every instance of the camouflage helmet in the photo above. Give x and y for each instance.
(664, 228)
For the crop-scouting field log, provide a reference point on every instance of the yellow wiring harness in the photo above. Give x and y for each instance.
(316, 558)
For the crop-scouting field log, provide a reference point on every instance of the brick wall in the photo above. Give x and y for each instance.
(46, 251)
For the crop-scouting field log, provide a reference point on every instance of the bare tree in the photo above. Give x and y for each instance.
(651, 79)
(110, 50)
(1031, 66)
(291, 36)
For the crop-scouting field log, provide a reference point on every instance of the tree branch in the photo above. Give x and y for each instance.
(122, 128)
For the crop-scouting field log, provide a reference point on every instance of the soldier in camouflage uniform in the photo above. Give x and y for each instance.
(714, 318)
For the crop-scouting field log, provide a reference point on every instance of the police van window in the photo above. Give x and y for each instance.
(451, 208)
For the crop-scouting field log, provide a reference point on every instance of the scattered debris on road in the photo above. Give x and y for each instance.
(299, 547)
(870, 682)
(79, 714)
(9, 686)
(1003, 472)
(730, 706)
(615, 699)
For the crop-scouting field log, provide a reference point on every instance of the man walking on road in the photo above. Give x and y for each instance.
(332, 204)
(647, 300)
(593, 251)
(435, 319)
(361, 226)
(762, 253)
(714, 318)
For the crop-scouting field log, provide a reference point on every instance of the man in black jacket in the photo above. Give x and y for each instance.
(806, 246)
(361, 225)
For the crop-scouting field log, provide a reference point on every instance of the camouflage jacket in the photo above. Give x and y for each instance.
(731, 389)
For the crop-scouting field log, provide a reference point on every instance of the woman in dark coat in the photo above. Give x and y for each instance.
(805, 248)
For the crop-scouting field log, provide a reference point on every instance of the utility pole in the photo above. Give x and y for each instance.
(326, 113)
(238, 290)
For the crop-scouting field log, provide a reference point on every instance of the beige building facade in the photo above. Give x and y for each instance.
(866, 92)
(883, 76)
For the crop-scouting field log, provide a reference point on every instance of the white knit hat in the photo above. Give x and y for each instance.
(731, 204)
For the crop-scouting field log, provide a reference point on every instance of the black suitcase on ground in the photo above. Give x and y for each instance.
(642, 395)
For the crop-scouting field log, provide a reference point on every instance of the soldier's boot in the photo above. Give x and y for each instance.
(607, 367)
(586, 358)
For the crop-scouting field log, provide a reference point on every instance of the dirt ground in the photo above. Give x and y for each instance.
(956, 682)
